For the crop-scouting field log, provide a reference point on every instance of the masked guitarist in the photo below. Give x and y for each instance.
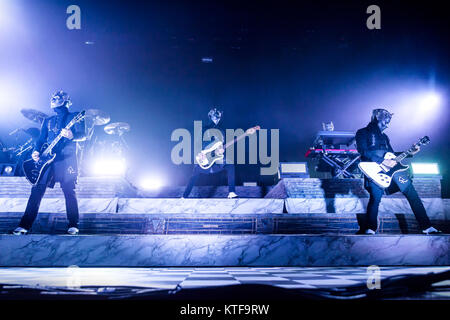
(63, 169)
(214, 116)
(372, 144)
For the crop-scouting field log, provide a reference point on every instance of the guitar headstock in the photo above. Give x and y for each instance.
(424, 140)
(252, 130)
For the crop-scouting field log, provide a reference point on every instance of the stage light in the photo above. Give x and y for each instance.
(418, 110)
(7, 169)
(430, 101)
(425, 168)
(12, 24)
(150, 183)
(109, 167)
(293, 170)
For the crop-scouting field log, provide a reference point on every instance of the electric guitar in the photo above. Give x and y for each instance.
(34, 169)
(213, 152)
(381, 174)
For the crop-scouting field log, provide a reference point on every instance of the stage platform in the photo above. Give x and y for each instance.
(218, 223)
(223, 250)
(305, 188)
(298, 222)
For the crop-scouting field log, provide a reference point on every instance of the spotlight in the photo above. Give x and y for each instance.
(109, 167)
(7, 169)
(150, 183)
(428, 169)
(430, 101)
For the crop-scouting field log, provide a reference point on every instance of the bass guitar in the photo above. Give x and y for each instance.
(382, 175)
(34, 170)
(215, 150)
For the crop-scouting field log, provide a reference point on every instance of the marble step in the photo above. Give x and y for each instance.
(351, 188)
(218, 223)
(223, 250)
(87, 187)
(151, 205)
(108, 187)
(437, 208)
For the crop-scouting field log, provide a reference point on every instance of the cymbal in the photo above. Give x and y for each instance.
(117, 128)
(34, 115)
(98, 117)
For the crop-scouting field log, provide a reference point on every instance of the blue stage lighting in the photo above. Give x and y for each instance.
(431, 100)
(150, 183)
(7, 169)
(430, 169)
(109, 167)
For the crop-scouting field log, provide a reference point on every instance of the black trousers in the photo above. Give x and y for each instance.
(411, 195)
(215, 169)
(37, 193)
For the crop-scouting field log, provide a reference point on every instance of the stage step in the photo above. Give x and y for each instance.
(437, 208)
(223, 250)
(306, 188)
(309, 188)
(151, 205)
(219, 223)
(87, 187)
(110, 187)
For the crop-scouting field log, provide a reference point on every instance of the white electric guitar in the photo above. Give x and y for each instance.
(215, 150)
(381, 174)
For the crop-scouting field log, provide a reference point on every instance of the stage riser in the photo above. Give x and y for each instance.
(438, 209)
(354, 188)
(58, 205)
(150, 206)
(212, 250)
(208, 206)
(87, 187)
(109, 187)
(218, 224)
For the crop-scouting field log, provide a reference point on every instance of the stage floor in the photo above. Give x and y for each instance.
(188, 278)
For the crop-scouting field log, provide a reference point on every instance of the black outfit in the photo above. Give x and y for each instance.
(64, 168)
(372, 144)
(215, 168)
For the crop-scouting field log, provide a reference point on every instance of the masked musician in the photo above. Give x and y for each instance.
(372, 144)
(215, 117)
(63, 169)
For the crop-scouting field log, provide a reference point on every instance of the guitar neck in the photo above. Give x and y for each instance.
(49, 149)
(234, 140)
(403, 155)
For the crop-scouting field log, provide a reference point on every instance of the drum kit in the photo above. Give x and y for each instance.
(96, 143)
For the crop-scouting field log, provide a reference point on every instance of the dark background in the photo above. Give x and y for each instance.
(279, 64)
